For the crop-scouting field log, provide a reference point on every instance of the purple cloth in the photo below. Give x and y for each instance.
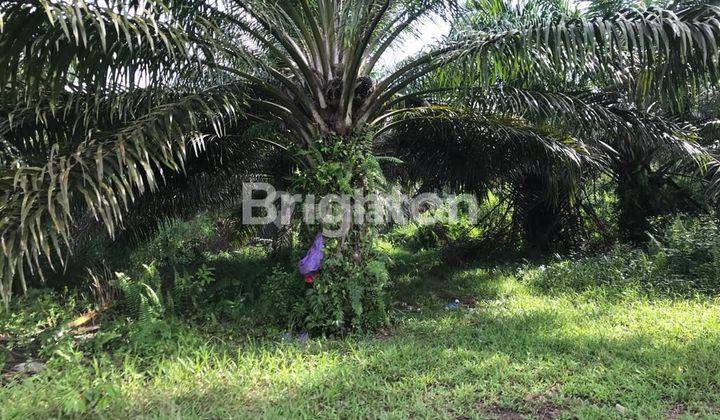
(313, 259)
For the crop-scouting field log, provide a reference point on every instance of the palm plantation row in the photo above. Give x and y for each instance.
(117, 113)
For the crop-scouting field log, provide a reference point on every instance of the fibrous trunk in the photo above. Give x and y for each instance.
(348, 293)
(637, 202)
(541, 213)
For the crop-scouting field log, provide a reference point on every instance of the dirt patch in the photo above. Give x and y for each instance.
(541, 405)
(21, 354)
(546, 412)
(549, 411)
(20, 361)
(503, 413)
(469, 302)
(385, 333)
(676, 411)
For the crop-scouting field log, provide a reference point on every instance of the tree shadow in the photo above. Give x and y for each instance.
(478, 365)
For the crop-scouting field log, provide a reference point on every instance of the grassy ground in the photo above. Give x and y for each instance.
(510, 351)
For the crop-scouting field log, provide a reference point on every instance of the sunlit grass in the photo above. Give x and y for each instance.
(515, 352)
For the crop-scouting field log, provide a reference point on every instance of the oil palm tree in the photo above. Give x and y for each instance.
(610, 116)
(102, 99)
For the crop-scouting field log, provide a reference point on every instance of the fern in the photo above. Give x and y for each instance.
(140, 298)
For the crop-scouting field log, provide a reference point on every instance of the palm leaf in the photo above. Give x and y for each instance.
(105, 172)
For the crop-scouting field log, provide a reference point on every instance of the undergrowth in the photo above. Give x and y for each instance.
(629, 333)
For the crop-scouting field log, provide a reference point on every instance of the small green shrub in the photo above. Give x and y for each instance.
(343, 296)
(689, 250)
(239, 274)
(442, 232)
(348, 296)
(622, 266)
(684, 258)
(190, 291)
(141, 298)
(178, 246)
(198, 273)
(282, 297)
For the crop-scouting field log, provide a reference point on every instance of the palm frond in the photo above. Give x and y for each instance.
(105, 172)
(466, 149)
(657, 45)
(50, 45)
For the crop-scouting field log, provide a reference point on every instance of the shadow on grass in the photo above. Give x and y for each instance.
(509, 356)
(464, 365)
(421, 278)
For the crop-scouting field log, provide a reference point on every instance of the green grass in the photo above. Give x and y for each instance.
(614, 352)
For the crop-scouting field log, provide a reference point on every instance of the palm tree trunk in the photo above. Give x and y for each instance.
(540, 216)
(348, 294)
(637, 198)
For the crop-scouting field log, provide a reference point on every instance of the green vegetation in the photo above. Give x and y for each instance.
(139, 277)
(117, 114)
(589, 337)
